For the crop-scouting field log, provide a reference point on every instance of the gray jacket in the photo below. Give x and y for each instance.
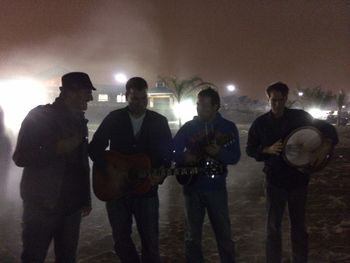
(53, 181)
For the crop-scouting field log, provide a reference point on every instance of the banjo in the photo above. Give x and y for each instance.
(302, 146)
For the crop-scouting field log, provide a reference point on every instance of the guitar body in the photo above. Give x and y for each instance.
(121, 176)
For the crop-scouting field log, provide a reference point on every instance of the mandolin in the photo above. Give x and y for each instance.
(203, 160)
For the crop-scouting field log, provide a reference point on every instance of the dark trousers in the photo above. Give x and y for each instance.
(146, 213)
(277, 199)
(215, 203)
(40, 227)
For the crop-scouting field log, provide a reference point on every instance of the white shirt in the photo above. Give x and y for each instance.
(136, 123)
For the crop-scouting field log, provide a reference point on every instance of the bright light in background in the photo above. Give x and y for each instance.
(120, 78)
(300, 93)
(231, 88)
(18, 97)
(318, 113)
(186, 110)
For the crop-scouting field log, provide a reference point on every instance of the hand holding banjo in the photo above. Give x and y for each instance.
(275, 149)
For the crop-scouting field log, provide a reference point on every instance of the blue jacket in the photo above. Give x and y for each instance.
(197, 134)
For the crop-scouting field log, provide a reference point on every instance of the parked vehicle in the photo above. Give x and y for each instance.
(344, 118)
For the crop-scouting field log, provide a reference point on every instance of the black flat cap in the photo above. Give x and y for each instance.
(77, 80)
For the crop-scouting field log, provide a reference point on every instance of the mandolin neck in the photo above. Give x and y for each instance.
(178, 171)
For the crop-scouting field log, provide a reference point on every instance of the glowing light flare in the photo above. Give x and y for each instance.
(318, 113)
(231, 88)
(120, 78)
(185, 111)
(18, 97)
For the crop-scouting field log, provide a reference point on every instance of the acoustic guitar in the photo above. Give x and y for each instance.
(132, 174)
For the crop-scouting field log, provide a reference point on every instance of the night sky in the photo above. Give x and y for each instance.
(248, 43)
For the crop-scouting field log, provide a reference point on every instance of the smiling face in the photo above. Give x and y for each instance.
(78, 99)
(137, 101)
(205, 109)
(277, 102)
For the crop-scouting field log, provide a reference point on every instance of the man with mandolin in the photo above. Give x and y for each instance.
(139, 140)
(286, 182)
(207, 141)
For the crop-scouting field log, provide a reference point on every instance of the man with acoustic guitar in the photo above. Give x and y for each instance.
(207, 140)
(139, 139)
(285, 184)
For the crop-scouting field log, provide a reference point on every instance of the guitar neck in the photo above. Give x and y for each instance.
(178, 171)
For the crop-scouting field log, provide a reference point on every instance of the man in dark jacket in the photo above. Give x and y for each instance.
(55, 186)
(284, 184)
(131, 131)
(207, 141)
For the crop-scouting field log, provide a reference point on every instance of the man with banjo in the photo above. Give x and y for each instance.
(289, 157)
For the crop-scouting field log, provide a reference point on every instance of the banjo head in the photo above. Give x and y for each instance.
(301, 146)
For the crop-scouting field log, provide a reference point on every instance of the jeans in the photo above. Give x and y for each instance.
(146, 213)
(40, 227)
(277, 199)
(215, 203)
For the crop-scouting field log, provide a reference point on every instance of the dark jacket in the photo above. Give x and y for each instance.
(116, 131)
(57, 182)
(267, 129)
(197, 134)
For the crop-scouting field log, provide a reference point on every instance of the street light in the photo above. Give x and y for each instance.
(120, 78)
(231, 88)
(300, 93)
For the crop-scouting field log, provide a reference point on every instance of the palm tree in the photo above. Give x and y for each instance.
(316, 97)
(184, 88)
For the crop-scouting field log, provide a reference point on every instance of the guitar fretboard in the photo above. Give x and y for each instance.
(178, 171)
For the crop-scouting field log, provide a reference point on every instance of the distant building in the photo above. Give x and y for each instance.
(110, 97)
